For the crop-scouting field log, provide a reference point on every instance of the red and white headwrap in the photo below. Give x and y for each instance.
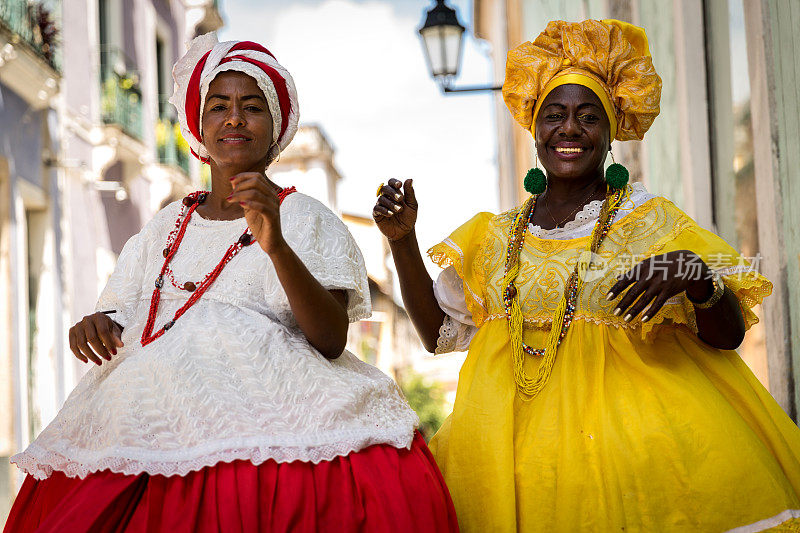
(206, 58)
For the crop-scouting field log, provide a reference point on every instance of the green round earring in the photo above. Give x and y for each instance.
(616, 175)
(535, 180)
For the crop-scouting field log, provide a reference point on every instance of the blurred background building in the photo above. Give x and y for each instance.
(387, 339)
(89, 151)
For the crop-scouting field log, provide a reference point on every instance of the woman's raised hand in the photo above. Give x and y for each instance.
(95, 336)
(261, 208)
(395, 212)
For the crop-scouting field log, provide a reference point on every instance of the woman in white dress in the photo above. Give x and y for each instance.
(222, 398)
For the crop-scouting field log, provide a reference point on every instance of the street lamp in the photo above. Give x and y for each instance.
(442, 37)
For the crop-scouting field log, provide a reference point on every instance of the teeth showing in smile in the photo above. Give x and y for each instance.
(564, 150)
(234, 139)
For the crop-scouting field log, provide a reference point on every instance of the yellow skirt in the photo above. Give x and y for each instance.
(626, 436)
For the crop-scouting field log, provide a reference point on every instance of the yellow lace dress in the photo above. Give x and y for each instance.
(641, 427)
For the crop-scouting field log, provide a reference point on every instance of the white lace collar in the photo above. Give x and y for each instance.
(583, 223)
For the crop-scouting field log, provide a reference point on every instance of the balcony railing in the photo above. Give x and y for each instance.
(121, 96)
(35, 24)
(172, 148)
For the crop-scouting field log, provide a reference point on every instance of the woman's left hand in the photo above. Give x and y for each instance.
(657, 279)
(261, 205)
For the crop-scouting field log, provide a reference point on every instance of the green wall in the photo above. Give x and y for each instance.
(661, 144)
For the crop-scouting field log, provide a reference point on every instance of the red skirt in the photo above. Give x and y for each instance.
(380, 488)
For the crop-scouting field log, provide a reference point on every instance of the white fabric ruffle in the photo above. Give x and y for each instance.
(457, 329)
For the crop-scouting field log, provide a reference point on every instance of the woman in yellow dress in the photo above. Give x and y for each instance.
(601, 391)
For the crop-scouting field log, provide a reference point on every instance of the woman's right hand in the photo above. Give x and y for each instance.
(395, 212)
(95, 335)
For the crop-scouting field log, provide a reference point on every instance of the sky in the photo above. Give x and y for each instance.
(361, 76)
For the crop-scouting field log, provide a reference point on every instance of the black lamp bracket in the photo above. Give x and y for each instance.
(471, 88)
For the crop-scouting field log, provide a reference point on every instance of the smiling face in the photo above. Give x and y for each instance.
(237, 125)
(572, 133)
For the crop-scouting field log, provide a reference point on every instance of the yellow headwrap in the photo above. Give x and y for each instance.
(609, 57)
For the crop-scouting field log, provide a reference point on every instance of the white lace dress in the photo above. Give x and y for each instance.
(234, 378)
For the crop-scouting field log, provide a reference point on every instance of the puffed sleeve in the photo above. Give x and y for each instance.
(459, 288)
(124, 288)
(322, 241)
(739, 273)
(458, 328)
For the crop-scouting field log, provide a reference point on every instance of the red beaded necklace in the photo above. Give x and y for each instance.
(190, 204)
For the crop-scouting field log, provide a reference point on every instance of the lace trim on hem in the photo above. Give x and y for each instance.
(438, 254)
(448, 333)
(672, 314)
(750, 290)
(789, 517)
(615, 322)
(41, 463)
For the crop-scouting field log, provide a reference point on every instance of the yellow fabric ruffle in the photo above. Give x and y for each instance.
(451, 251)
(738, 274)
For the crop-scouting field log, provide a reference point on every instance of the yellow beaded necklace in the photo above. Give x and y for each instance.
(529, 387)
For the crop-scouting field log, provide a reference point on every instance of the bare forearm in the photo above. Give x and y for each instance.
(416, 288)
(320, 316)
(722, 325)
(395, 213)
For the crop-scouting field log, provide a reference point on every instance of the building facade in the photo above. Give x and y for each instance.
(30, 285)
(723, 148)
(387, 339)
(90, 151)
